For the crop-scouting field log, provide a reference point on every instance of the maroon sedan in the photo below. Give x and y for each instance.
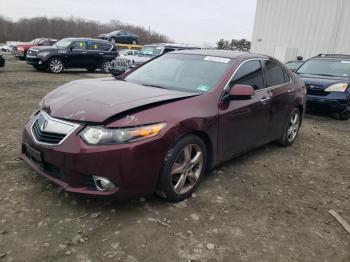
(162, 125)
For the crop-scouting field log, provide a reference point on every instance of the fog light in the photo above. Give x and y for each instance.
(103, 184)
(40, 62)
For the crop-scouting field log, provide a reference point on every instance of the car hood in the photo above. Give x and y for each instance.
(99, 99)
(46, 48)
(26, 45)
(321, 82)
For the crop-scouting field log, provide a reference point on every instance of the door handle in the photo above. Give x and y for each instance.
(264, 99)
(291, 91)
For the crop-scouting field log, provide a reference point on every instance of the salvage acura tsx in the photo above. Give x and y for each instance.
(161, 125)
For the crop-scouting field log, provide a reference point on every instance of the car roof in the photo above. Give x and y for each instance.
(341, 56)
(295, 61)
(219, 53)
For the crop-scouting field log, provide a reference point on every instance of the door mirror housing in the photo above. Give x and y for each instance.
(241, 92)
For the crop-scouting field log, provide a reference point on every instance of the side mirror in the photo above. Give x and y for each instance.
(71, 48)
(241, 92)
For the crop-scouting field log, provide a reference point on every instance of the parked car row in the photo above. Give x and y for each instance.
(148, 52)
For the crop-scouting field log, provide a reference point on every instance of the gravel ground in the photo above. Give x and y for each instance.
(268, 205)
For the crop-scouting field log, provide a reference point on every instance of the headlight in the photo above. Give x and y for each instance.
(20, 49)
(43, 54)
(339, 87)
(99, 135)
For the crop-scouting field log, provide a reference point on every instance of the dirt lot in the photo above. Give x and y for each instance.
(269, 205)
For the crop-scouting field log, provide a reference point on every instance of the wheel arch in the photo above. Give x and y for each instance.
(207, 141)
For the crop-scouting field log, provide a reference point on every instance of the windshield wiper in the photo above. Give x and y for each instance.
(319, 74)
(152, 85)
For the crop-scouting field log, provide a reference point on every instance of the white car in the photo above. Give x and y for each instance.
(128, 52)
(5, 48)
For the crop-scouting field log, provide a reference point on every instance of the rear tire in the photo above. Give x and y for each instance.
(184, 166)
(56, 65)
(134, 42)
(113, 40)
(292, 128)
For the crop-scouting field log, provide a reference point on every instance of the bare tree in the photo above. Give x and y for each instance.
(26, 29)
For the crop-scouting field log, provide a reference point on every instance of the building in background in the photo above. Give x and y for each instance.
(286, 29)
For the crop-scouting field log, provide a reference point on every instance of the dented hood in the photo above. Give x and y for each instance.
(99, 99)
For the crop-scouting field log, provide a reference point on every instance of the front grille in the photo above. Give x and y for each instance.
(51, 131)
(31, 53)
(316, 90)
(46, 137)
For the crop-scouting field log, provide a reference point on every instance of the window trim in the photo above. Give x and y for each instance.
(262, 67)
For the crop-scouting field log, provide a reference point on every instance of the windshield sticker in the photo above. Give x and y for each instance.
(345, 62)
(204, 88)
(217, 59)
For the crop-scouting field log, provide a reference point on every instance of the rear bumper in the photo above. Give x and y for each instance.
(336, 102)
(18, 53)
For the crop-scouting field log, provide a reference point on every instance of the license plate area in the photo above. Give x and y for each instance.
(33, 154)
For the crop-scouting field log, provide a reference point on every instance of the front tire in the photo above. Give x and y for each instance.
(134, 42)
(343, 115)
(292, 129)
(183, 168)
(106, 67)
(56, 65)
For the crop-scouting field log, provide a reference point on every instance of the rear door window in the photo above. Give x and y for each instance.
(275, 74)
(104, 46)
(92, 45)
(249, 73)
(79, 45)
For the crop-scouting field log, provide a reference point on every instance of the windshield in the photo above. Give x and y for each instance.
(192, 73)
(326, 67)
(35, 40)
(293, 65)
(150, 51)
(64, 43)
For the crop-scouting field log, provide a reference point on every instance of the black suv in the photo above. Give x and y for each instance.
(327, 78)
(73, 53)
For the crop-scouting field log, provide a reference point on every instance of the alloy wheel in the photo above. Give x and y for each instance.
(187, 168)
(106, 67)
(56, 66)
(293, 127)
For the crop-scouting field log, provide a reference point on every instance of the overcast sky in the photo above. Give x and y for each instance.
(200, 22)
